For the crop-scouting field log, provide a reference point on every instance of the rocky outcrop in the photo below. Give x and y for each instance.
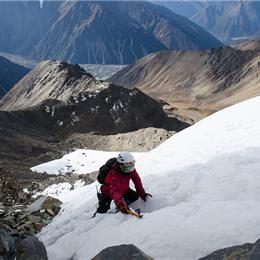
(246, 252)
(21, 217)
(10, 190)
(10, 74)
(122, 252)
(22, 214)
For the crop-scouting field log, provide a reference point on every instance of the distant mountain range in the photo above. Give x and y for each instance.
(195, 84)
(10, 74)
(96, 32)
(229, 21)
(184, 8)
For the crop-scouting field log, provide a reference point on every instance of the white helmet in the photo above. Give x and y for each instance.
(126, 162)
(125, 157)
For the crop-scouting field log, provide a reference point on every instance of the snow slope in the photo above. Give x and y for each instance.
(80, 161)
(205, 181)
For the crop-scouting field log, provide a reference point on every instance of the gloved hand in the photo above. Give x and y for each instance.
(144, 196)
(122, 206)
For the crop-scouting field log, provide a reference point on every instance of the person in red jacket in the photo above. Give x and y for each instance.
(116, 186)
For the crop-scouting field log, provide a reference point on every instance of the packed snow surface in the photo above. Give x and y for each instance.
(205, 183)
(80, 161)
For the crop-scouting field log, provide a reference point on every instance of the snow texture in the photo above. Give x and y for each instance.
(80, 162)
(205, 183)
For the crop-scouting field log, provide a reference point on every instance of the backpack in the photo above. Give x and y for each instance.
(103, 170)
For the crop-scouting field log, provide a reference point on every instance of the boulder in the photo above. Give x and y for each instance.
(242, 252)
(45, 204)
(122, 252)
(7, 245)
(31, 248)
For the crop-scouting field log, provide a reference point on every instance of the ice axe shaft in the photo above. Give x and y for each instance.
(133, 213)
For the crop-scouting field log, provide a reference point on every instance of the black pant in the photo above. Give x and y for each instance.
(104, 202)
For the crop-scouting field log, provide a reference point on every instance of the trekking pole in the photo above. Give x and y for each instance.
(94, 215)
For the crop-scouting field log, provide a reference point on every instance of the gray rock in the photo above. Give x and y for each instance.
(242, 252)
(36, 205)
(31, 248)
(7, 247)
(122, 252)
(45, 203)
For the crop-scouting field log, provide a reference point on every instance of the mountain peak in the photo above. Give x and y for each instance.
(76, 31)
(50, 79)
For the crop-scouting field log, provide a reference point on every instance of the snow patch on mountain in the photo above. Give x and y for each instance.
(79, 162)
(205, 183)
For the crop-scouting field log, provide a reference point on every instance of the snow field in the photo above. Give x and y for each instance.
(205, 183)
(81, 161)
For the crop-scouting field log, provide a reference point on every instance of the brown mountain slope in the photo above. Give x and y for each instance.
(195, 83)
(49, 80)
(248, 45)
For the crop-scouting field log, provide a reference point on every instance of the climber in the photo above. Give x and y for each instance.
(115, 176)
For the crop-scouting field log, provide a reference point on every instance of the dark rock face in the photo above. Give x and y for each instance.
(122, 252)
(68, 31)
(31, 248)
(110, 111)
(7, 245)
(10, 74)
(246, 252)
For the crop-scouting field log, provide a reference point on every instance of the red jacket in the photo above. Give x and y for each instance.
(117, 183)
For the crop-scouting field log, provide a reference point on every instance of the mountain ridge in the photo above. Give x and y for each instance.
(195, 83)
(230, 21)
(69, 31)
